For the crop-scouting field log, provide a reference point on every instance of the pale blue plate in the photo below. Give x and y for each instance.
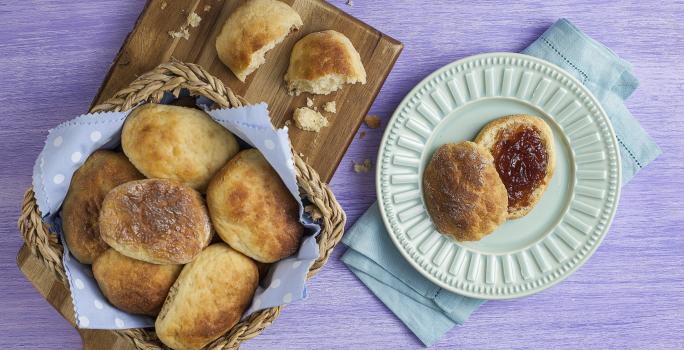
(522, 256)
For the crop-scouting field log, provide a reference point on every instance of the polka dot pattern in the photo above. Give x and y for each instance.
(95, 136)
(76, 157)
(70, 144)
(58, 179)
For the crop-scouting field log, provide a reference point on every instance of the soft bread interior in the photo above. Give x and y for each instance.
(259, 56)
(323, 85)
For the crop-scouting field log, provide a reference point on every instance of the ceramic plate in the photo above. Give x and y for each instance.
(522, 256)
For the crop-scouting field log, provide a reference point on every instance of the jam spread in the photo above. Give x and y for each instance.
(520, 158)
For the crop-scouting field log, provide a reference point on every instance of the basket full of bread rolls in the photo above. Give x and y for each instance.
(184, 225)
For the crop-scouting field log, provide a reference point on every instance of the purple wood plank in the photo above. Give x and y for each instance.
(53, 56)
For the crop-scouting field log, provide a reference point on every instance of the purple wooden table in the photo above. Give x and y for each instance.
(53, 56)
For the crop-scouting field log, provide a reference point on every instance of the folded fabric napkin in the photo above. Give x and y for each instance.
(430, 311)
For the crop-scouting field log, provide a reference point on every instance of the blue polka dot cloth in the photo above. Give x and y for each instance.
(69, 145)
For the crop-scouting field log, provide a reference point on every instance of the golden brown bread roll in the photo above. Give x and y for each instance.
(172, 142)
(252, 210)
(463, 192)
(101, 172)
(522, 146)
(132, 285)
(322, 62)
(208, 298)
(253, 29)
(155, 220)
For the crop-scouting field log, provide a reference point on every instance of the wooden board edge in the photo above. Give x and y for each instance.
(96, 100)
(28, 264)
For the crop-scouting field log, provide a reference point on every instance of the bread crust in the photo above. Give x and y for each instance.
(491, 134)
(252, 29)
(155, 220)
(133, 285)
(321, 62)
(172, 142)
(101, 172)
(207, 299)
(252, 210)
(463, 192)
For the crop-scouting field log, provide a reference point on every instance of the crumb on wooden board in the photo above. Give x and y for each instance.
(207, 8)
(309, 102)
(308, 119)
(192, 20)
(361, 167)
(330, 107)
(163, 5)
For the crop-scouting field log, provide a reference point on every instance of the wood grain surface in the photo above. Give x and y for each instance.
(149, 44)
(630, 295)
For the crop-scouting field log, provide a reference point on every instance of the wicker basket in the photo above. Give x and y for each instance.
(150, 87)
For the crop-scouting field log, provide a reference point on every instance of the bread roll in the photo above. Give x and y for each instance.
(155, 220)
(322, 62)
(101, 172)
(208, 298)
(522, 146)
(132, 285)
(253, 29)
(463, 192)
(171, 142)
(252, 210)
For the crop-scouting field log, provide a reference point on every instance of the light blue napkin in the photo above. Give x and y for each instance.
(428, 310)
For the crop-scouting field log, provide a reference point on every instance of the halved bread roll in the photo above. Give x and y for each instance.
(322, 62)
(463, 193)
(523, 151)
(252, 29)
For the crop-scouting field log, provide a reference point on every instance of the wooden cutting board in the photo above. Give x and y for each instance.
(149, 44)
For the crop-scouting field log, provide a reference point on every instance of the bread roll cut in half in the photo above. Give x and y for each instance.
(522, 146)
(171, 142)
(323, 62)
(463, 193)
(155, 220)
(253, 29)
(208, 298)
(101, 172)
(252, 210)
(132, 285)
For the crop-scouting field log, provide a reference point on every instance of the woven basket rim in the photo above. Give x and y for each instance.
(151, 87)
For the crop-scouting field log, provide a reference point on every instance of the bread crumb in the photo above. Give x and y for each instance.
(350, 2)
(288, 122)
(373, 121)
(207, 8)
(309, 102)
(313, 211)
(183, 33)
(362, 135)
(309, 120)
(330, 107)
(163, 5)
(362, 167)
(194, 20)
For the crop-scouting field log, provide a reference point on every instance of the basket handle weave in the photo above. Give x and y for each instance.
(150, 87)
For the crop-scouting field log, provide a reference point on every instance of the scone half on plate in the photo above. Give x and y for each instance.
(524, 156)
